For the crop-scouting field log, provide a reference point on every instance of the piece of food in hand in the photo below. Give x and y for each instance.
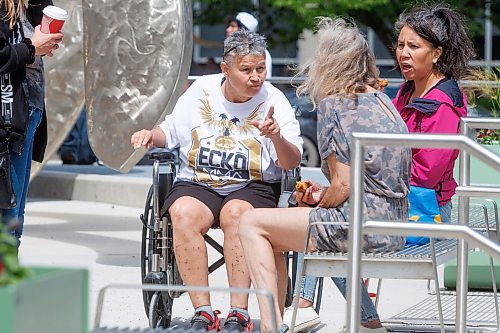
(301, 186)
(383, 83)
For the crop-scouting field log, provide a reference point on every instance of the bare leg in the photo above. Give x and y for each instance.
(263, 232)
(304, 303)
(191, 219)
(372, 324)
(237, 271)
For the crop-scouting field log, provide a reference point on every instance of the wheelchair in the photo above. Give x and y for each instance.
(158, 264)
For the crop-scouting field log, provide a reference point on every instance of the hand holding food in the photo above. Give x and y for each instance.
(301, 186)
(308, 193)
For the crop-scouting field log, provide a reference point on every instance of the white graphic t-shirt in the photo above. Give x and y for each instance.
(219, 147)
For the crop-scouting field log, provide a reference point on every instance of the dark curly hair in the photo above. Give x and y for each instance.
(441, 26)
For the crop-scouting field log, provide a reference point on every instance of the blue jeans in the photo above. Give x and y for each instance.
(20, 165)
(308, 289)
(445, 212)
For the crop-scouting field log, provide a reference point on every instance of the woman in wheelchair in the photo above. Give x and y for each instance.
(235, 133)
(343, 79)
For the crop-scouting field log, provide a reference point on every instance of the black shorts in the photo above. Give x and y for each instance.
(258, 194)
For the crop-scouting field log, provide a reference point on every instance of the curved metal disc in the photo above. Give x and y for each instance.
(137, 58)
(64, 83)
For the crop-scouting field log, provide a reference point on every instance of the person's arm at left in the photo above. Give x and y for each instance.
(288, 154)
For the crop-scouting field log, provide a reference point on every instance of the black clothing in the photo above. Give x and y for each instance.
(15, 53)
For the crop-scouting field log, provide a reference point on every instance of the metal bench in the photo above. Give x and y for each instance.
(421, 264)
(411, 262)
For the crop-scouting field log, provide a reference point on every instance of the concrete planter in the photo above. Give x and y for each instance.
(50, 300)
(479, 272)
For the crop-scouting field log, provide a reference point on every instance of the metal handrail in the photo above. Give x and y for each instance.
(392, 82)
(466, 124)
(359, 141)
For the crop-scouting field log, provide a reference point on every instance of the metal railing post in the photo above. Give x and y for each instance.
(462, 248)
(356, 204)
(355, 232)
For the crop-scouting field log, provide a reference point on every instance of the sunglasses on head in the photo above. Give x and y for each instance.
(249, 44)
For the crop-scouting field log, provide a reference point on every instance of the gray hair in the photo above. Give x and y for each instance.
(242, 43)
(442, 27)
(342, 64)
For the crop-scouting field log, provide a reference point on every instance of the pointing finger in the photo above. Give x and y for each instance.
(270, 113)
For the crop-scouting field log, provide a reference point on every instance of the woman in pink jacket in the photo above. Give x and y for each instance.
(433, 51)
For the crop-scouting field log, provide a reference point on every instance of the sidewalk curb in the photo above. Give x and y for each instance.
(120, 190)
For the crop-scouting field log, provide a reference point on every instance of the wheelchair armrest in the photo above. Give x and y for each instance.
(289, 178)
(162, 156)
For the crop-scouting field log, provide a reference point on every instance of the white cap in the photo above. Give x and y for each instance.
(248, 20)
(56, 13)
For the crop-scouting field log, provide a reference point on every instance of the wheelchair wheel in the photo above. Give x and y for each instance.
(160, 310)
(146, 246)
(157, 305)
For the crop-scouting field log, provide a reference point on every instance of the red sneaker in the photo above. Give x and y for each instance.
(203, 321)
(235, 322)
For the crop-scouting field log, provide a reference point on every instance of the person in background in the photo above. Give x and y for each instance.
(247, 21)
(236, 133)
(76, 148)
(343, 79)
(22, 45)
(433, 51)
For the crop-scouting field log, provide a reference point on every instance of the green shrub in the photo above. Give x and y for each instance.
(11, 272)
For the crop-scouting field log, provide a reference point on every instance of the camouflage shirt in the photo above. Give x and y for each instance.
(387, 174)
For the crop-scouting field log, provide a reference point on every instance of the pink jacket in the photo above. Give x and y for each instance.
(438, 112)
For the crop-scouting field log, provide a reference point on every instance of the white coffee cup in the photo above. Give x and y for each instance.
(53, 19)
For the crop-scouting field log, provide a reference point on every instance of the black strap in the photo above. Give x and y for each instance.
(7, 102)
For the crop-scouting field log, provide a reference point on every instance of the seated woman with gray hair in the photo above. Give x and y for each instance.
(343, 79)
(235, 133)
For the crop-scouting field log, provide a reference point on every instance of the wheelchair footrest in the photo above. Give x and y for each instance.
(155, 278)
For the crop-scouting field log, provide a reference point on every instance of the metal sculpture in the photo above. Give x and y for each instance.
(137, 58)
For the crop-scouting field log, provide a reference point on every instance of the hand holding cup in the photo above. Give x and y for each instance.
(47, 36)
(45, 44)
